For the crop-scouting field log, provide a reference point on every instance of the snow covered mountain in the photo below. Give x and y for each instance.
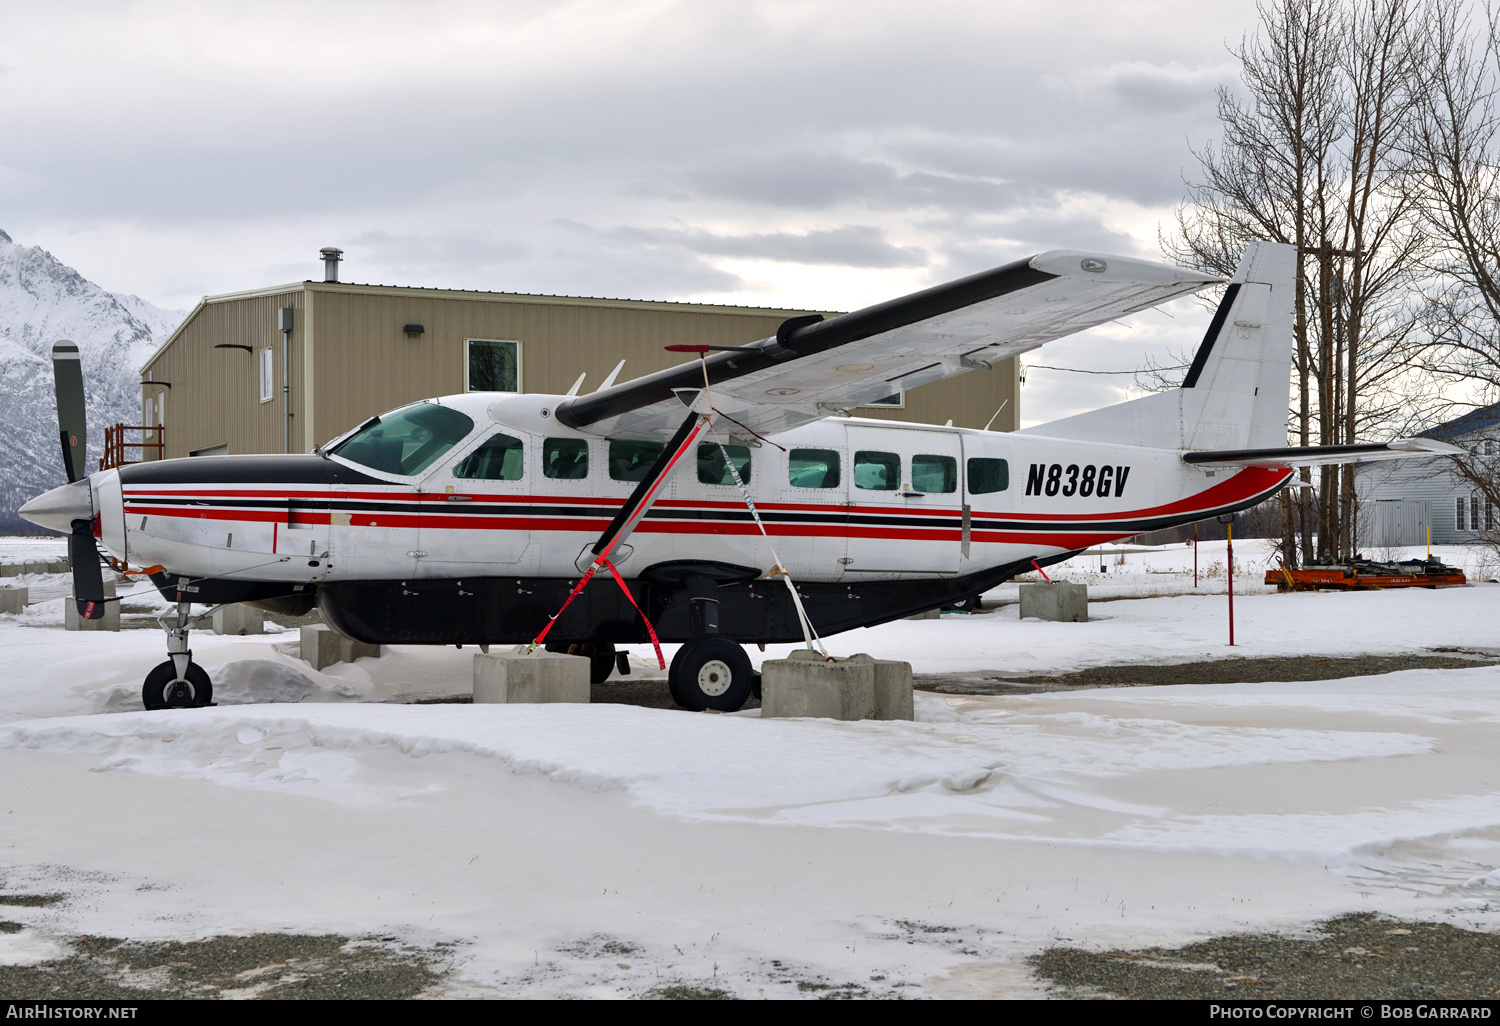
(42, 301)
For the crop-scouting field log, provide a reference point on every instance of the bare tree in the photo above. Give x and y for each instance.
(1316, 156)
(1456, 181)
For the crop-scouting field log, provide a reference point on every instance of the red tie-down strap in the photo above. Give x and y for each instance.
(661, 661)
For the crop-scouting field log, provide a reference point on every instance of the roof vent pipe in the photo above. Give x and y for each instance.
(331, 257)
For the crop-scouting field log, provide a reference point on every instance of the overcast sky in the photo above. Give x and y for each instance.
(806, 154)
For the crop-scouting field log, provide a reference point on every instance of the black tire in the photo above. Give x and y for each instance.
(710, 673)
(163, 691)
(966, 605)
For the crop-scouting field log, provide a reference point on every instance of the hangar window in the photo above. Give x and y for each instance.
(631, 461)
(987, 475)
(498, 459)
(877, 471)
(494, 366)
(406, 441)
(565, 458)
(267, 375)
(713, 470)
(934, 474)
(813, 468)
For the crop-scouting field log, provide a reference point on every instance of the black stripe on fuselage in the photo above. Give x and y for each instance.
(295, 469)
(978, 522)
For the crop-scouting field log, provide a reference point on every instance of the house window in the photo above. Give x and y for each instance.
(267, 375)
(493, 366)
(1458, 514)
(1489, 515)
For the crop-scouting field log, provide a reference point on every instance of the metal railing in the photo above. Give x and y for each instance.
(115, 444)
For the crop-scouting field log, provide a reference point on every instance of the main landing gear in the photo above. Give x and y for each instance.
(178, 683)
(710, 673)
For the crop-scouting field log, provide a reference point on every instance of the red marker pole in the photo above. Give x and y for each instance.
(1195, 555)
(1229, 533)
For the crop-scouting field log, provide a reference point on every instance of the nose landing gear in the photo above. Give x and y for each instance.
(178, 683)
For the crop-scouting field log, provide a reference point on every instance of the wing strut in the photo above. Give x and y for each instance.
(631, 514)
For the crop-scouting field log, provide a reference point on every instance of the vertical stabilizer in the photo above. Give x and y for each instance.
(1235, 393)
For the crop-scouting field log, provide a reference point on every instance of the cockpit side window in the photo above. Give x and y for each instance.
(500, 458)
(406, 441)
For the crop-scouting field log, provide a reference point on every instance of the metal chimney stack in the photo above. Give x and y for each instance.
(331, 257)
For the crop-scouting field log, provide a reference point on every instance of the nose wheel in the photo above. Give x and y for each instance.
(166, 689)
(178, 683)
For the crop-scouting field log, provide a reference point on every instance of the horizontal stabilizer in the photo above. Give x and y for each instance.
(1322, 455)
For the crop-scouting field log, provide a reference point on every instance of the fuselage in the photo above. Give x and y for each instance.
(515, 495)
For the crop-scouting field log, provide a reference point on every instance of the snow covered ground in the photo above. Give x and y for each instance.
(606, 850)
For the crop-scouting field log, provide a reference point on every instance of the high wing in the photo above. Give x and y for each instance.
(814, 368)
(1323, 455)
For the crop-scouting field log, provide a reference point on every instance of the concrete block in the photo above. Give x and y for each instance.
(10, 570)
(521, 676)
(109, 622)
(1055, 600)
(58, 566)
(857, 688)
(34, 568)
(931, 614)
(239, 619)
(323, 646)
(13, 600)
(893, 687)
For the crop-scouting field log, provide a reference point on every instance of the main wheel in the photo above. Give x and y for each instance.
(710, 673)
(164, 691)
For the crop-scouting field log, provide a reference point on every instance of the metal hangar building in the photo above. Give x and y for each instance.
(288, 367)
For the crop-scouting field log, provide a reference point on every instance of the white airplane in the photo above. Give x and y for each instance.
(705, 489)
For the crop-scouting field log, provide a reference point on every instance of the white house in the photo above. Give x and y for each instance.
(1399, 499)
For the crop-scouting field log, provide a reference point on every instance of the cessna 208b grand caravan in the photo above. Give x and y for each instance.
(477, 518)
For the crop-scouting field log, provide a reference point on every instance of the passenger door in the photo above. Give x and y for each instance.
(905, 502)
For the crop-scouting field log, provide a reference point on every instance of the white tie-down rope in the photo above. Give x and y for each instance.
(779, 570)
(809, 635)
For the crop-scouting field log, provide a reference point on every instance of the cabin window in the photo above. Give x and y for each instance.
(406, 441)
(813, 468)
(934, 474)
(500, 458)
(631, 461)
(494, 366)
(988, 475)
(267, 375)
(565, 458)
(713, 470)
(877, 471)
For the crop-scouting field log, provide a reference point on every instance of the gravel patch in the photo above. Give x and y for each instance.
(1216, 671)
(1360, 956)
(266, 965)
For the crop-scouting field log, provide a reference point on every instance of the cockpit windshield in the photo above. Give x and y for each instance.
(406, 441)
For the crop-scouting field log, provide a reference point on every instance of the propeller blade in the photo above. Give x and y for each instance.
(88, 576)
(72, 420)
